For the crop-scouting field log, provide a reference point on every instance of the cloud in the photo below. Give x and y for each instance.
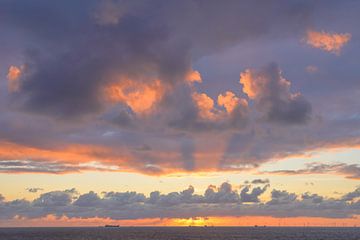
(55, 199)
(13, 77)
(62, 83)
(127, 79)
(252, 196)
(22, 166)
(230, 101)
(50, 167)
(109, 12)
(281, 197)
(90, 199)
(314, 198)
(260, 181)
(140, 97)
(311, 69)
(193, 76)
(34, 190)
(330, 42)
(87, 156)
(224, 194)
(222, 201)
(272, 96)
(140, 41)
(187, 154)
(205, 105)
(235, 114)
(352, 195)
(187, 109)
(351, 171)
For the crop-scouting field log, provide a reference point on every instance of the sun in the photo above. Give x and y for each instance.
(195, 221)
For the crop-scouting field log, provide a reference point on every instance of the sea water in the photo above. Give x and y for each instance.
(181, 233)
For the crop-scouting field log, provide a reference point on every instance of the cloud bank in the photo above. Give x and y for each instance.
(221, 201)
(351, 171)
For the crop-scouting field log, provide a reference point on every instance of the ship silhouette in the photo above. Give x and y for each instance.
(111, 226)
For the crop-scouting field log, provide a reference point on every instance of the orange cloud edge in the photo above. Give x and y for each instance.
(110, 161)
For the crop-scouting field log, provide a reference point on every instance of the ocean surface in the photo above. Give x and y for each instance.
(181, 233)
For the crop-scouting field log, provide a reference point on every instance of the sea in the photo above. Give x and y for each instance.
(182, 233)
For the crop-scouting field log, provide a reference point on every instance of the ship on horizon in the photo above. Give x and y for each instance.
(111, 226)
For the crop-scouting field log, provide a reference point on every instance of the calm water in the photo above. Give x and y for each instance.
(173, 233)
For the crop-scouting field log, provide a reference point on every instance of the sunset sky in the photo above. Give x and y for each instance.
(182, 112)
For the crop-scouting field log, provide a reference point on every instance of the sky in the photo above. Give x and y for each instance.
(177, 113)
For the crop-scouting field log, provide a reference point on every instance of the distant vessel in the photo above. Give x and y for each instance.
(112, 226)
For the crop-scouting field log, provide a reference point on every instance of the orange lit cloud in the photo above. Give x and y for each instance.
(13, 77)
(230, 101)
(208, 110)
(139, 96)
(67, 154)
(205, 105)
(71, 158)
(330, 42)
(193, 76)
(250, 87)
(16, 158)
(258, 83)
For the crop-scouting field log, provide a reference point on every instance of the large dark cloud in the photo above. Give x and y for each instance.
(70, 51)
(271, 92)
(73, 56)
(222, 201)
(72, 48)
